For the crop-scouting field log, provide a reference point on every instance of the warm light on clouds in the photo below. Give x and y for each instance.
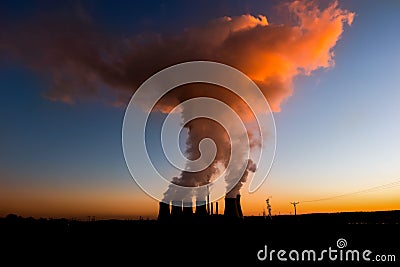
(81, 61)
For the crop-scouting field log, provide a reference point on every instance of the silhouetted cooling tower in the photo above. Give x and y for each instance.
(176, 210)
(231, 210)
(163, 212)
(187, 210)
(239, 206)
(201, 208)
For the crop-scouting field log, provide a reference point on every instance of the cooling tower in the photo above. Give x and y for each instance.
(239, 206)
(163, 212)
(231, 208)
(187, 210)
(201, 208)
(176, 210)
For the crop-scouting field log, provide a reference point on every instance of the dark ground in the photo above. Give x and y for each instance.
(212, 240)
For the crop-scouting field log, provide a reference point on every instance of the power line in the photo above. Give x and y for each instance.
(368, 190)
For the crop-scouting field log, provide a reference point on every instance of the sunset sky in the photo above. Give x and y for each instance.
(67, 71)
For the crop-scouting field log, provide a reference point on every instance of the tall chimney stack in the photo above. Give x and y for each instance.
(216, 208)
(208, 201)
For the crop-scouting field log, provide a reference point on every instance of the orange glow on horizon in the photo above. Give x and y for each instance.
(127, 205)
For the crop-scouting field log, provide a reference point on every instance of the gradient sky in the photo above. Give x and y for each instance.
(337, 134)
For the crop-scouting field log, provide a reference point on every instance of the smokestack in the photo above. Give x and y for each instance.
(212, 208)
(176, 211)
(201, 209)
(208, 201)
(216, 208)
(187, 210)
(163, 212)
(231, 208)
(239, 206)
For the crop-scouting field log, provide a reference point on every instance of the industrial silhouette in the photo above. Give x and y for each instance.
(178, 210)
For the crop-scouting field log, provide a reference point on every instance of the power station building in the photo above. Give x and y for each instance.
(179, 210)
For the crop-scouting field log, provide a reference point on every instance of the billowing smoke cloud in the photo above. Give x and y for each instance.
(81, 62)
(251, 167)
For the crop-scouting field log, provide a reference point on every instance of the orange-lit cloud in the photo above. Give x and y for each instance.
(80, 61)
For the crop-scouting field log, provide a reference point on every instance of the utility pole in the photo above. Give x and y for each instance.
(294, 205)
